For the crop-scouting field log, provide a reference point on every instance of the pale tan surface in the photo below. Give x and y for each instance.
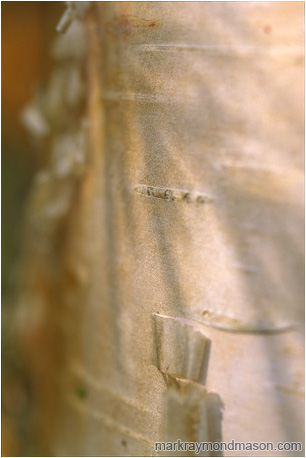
(203, 98)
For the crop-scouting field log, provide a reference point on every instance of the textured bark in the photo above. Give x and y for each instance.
(164, 287)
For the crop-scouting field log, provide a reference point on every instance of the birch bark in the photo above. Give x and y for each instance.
(165, 286)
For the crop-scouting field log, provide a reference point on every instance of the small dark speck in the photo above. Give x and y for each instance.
(81, 392)
(267, 29)
(123, 443)
(152, 24)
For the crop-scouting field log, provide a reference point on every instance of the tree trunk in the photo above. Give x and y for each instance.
(163, 288)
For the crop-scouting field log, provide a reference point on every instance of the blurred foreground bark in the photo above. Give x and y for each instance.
(163, 276)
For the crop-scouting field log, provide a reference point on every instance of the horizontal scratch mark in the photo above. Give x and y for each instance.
(108, 421)
(268, 168)
(290, 390)
(172, 195)
(113, 95)
(233, 324)
(80, 372)
(246, 268)
(278, 51)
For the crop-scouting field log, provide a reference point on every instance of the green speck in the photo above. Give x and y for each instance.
(81, 392)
